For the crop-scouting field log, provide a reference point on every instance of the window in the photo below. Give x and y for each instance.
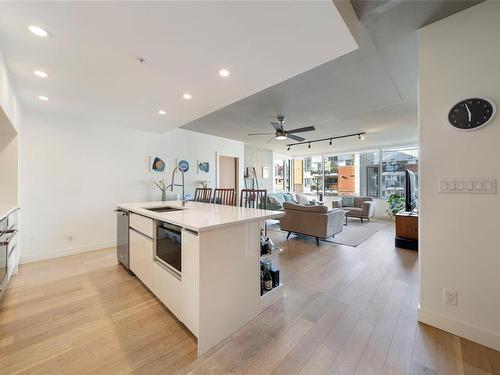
(372, 165)
(331, 175)
(376, 174)
(278, 175)
(313, 175)
(394, 163)
(282, 174)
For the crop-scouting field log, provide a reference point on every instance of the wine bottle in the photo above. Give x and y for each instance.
(268, 280)
(261, 283)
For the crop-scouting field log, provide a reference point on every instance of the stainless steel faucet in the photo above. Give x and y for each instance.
(172, 184)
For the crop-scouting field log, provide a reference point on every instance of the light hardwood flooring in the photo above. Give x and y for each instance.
(345, 311)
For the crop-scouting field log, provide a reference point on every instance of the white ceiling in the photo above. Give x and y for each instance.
(91, 57)
(373, 89)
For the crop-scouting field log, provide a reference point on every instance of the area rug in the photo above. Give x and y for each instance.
(354, 234)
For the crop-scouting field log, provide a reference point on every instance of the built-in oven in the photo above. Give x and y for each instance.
(169, 246)
(7, 246)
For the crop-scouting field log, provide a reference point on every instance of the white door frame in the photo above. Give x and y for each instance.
(217, 169)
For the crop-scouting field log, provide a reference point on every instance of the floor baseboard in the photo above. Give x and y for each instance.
(65, 252)
(459, 328)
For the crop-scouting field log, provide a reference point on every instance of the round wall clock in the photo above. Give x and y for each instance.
(471, 113)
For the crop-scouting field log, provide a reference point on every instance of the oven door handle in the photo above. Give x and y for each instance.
(13, 233)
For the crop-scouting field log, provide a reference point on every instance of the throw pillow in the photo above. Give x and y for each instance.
(347, 201)
(294, 197)
(302, 199)
(273, 200)
(288, 198)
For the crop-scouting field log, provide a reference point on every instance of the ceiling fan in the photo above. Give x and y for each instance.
(281, 134)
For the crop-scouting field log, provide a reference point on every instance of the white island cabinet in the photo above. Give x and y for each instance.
(218, 288)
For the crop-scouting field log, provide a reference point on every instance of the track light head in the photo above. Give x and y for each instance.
(288, 149)
(309, 146)
(330, 142)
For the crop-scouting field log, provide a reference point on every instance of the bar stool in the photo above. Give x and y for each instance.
(203, 195)
(224, 196)
(253, 198)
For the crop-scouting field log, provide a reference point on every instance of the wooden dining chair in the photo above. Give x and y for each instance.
(253, 198)
(203, 195)
(224, 196)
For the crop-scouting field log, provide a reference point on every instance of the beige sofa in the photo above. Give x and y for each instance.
(315, 221)
(361, 207)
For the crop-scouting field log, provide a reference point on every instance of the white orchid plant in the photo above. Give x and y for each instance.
(161, 185)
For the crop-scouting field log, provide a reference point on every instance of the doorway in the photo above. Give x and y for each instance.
(227, 172)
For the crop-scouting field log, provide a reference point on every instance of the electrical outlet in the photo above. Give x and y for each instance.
(450, 296)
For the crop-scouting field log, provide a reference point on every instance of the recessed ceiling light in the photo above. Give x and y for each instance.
(186, 96)
(224, 73)
(37, 30)
(40, 74)
(162, 112)
(44, 98)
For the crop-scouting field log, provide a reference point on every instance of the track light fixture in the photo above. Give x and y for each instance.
(329, 139)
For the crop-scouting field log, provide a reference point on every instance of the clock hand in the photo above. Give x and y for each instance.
(468, 111)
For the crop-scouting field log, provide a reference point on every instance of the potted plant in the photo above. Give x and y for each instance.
(163, 187)
(396, 203)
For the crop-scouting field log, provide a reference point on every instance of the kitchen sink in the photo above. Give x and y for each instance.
(163, 209)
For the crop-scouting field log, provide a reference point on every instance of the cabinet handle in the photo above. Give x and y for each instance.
(142, 234)
(8, 240)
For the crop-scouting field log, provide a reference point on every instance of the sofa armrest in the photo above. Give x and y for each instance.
(336, 204)
(336, 219)
(368, 209)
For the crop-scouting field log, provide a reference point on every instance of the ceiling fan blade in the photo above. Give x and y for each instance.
(260, 134)
(295, 137)
(301, 130)
(277, 125)
(270, 140)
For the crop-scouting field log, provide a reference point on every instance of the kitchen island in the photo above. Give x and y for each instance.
(202, 261)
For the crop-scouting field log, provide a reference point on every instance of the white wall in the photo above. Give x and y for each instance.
(459, 242)
(73, 173)
(258, 158)
(193, 147)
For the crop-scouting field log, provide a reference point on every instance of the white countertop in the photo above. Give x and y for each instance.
(199, 216)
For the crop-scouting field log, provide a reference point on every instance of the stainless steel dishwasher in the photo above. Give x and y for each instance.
(122, 237)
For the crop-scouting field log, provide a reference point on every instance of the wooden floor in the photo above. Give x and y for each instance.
(345, 311)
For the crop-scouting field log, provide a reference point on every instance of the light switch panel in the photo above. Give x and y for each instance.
(468, 186)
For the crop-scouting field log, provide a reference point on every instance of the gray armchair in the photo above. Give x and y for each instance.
(359, 207)
(315, 221)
